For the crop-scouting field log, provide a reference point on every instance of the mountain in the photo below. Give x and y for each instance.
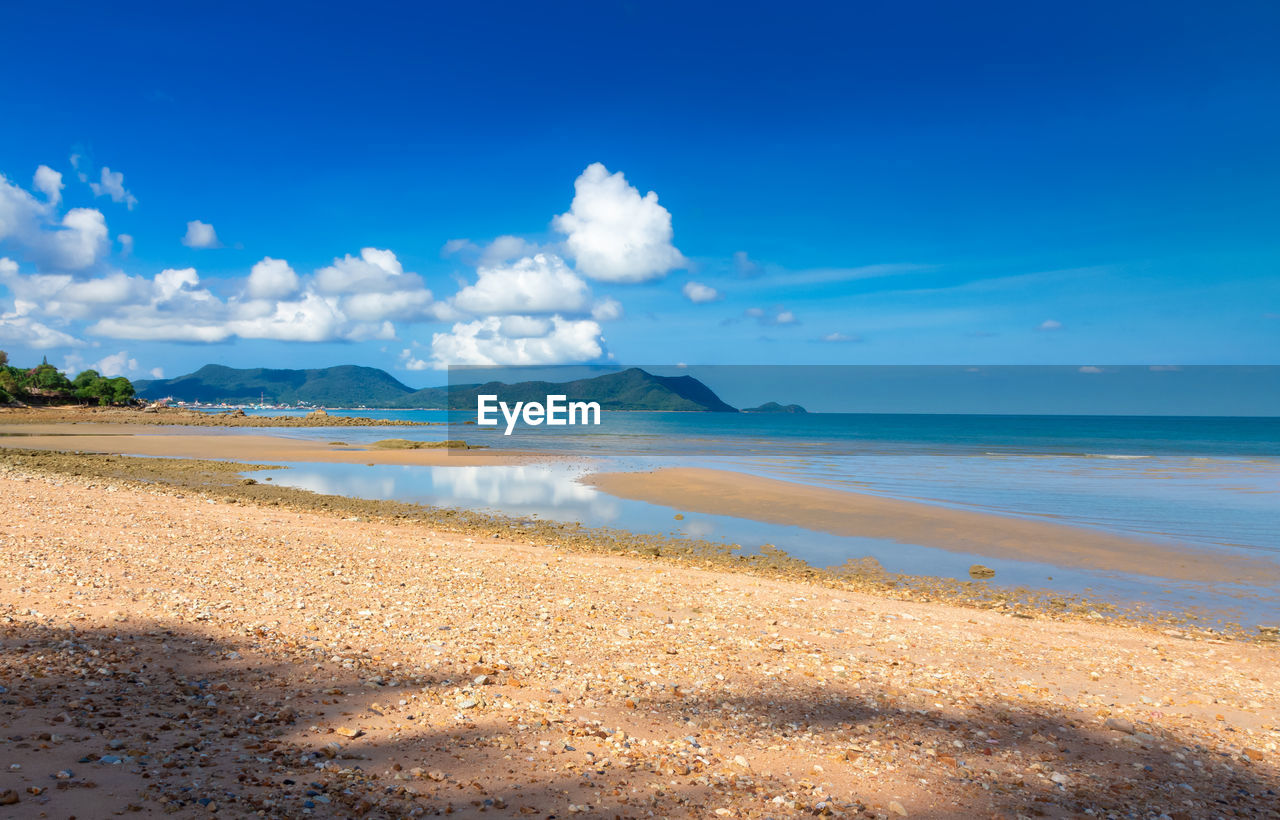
(351, 386)
(632, 389)
(774, 407)
(347, 385)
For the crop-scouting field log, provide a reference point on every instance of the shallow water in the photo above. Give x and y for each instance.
(1208, 483)
(552, 492)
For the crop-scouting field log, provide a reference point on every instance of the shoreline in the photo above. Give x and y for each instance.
(842, 512)
(181, 643)
(708, 491)
(182, 442)
(220, 480)
(185, 417)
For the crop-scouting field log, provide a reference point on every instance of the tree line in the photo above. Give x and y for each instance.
(46, 384)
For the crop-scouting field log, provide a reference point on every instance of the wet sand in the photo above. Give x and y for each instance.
(722, 492)
(163, 652)
(184, 442)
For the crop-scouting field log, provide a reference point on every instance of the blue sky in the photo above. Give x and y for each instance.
(1093, 183)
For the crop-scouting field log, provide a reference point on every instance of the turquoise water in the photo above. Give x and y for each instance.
(1210, 483)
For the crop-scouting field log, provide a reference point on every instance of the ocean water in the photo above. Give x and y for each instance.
(1210, 483)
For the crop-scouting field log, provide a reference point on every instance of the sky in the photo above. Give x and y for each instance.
(409, 187)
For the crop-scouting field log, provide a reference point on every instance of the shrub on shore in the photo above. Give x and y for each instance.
(46, 384)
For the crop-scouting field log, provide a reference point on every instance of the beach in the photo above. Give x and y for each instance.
(166, 651)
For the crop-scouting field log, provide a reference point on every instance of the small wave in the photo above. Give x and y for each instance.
(1112, 456)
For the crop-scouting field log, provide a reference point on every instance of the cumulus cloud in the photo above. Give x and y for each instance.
(272, 302)
(483, 342)
(74, 242)
(49, 182)
(1050, 324)
(201, 235)
(111, 183)
(538, 284)
(126, 244)
(613, 233)
(606, 310)
(18, 329)
(272, 279)
(408, 361)
(699, 293)
(116, 364)
(838, 338)
(374, 287)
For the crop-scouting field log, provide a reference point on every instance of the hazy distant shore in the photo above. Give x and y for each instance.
(186, 417)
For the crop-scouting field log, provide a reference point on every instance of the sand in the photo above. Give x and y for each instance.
(723, 492)
(164, 652)
(184, 442)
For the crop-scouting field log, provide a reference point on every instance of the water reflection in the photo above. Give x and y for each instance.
(553, 492)
(525, 490)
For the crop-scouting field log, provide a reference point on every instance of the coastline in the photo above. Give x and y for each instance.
(173, 647)
(179, 416)
(182, 442)
(841, 512)
(222, 480)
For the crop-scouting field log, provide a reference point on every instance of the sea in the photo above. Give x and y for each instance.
(1209, 483)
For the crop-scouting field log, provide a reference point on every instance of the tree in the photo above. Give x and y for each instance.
(4, 358)
(121, 390)
(47, 377)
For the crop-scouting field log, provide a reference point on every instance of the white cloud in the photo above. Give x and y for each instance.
(1050, 324)
(606, 310)
(500, 250)
(112, 184)
(524, 327)
(200, 235)
(375, 269)
(74, 242)
(272, 279)
(375, 287)
(613, 233)
(117, 364)
(80, 242)
(838, 337)
(126, 244)
(75, 163)
(483, 342)
(49, 182)
(538, 284)
(19, 329)
(776, 315)
(156, 372)
(699, 293)
(410, 362)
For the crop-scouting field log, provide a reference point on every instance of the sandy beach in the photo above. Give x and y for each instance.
(184, 442)
(164, 652)
(700, 490)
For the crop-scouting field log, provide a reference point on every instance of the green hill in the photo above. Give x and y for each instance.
(350, 386)
(632, 389)
(346, 385)
(774, 407)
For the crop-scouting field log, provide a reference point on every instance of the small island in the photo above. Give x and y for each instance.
(774, 407)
